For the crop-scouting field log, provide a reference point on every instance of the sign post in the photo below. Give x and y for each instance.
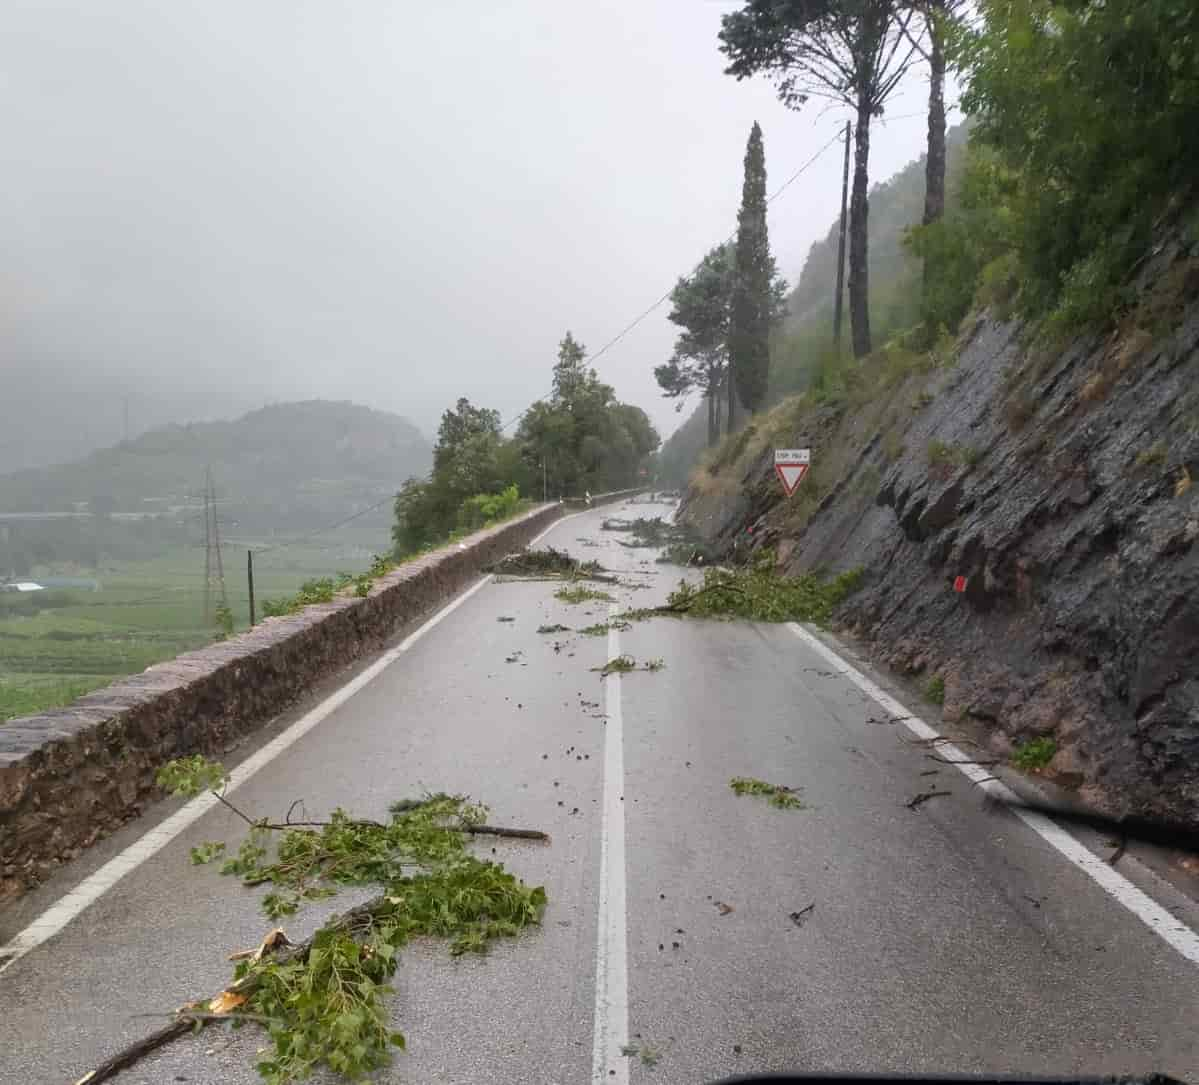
(791, 464)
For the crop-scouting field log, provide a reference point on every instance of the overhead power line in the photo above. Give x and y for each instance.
(330, 527)
(593, 358)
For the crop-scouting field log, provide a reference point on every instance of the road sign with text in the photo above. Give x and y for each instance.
(791, 464)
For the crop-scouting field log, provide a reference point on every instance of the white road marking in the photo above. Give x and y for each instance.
(1167, 927)
(611, 1031)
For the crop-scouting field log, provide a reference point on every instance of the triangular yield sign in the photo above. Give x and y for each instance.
(791, 475)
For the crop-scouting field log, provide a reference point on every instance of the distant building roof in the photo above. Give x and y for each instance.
(21, 585)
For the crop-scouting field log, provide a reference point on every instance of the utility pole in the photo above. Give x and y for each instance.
(250, 582)
(545, 487)
(841, 246)
(214, 570)
(207, 553)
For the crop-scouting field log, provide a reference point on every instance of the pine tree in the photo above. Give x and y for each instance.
(848, 51)
(752, 295)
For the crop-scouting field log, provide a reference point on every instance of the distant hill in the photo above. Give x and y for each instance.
(282, 467)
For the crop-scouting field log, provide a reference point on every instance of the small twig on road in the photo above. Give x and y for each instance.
(1121, 844)
(919, 800)
(499, 830)
(930, 743)
(799, 917)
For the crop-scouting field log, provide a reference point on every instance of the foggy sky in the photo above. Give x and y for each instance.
(208, 206)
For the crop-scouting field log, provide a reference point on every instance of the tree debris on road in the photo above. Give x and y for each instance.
(623, 664)
(785, 798)
(431, 885)
(548, 564)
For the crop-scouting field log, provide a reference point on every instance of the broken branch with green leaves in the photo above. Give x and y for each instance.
(324, 999)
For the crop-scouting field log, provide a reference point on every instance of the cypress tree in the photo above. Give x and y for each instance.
(752, 296)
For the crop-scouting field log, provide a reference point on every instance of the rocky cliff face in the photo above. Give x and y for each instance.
(1057, 482)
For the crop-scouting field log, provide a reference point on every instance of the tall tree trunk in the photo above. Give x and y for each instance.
(859, 276)
(713, 422)
(731, 391)
(934, 168)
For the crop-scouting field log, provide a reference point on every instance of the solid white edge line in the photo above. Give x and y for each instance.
(611, 1028)
(95, 885)
(1167, 927)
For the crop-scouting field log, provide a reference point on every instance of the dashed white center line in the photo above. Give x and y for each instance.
(611, 1034)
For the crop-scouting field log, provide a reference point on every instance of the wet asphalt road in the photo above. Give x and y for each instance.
(949, 938)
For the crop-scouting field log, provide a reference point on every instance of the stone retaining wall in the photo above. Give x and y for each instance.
(72, 775)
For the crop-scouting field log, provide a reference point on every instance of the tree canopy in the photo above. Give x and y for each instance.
(849, 51)
(580, 439)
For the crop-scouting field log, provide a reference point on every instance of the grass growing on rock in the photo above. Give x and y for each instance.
(323, 1001)
(776, 794)
(1034, 754)
(758, 593)
(934, 690)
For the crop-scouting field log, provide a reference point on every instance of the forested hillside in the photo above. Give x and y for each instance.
(284, 467)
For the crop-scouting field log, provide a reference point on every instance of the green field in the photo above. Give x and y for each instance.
(59, 644)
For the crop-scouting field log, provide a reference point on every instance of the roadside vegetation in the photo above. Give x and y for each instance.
(1078, 145)
(1034, 754)
(581, 439)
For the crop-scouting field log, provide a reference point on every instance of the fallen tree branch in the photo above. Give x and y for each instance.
(122, 1060)
(500, 830)
(356, 921)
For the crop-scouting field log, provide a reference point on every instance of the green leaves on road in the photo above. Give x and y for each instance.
(778, 795)
(580, 593)
(323, 1000)
(625, 663)
(758, 593)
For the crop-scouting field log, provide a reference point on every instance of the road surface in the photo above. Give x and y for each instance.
(947, 938)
